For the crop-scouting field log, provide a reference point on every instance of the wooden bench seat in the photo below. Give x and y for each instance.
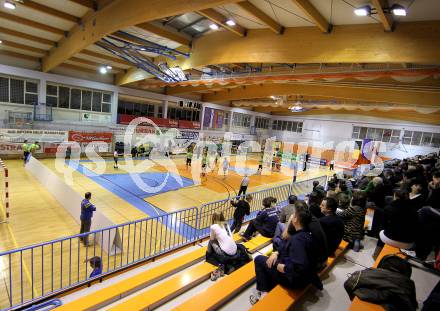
(360, 305)
(125, 287)
(281, 298)
(178, 284)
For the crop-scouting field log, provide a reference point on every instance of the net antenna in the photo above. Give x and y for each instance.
(400, 146)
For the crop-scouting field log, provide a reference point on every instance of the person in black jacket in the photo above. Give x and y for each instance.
(294, 265)
(332, 225)
(265, 222)
(400, 222)
(416, 197)
(242, 208)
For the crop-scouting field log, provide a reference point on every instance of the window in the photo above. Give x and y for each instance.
(77, 98)
(421, 139)
(135, 108)
(261, 123)
(160, 112)
(18, 91)
(4, 89)
(290, 126)
(241, 120)
(63, 97)
(385, 135)
(86, 100)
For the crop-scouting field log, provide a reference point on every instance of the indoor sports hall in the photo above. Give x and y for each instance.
(219, 155)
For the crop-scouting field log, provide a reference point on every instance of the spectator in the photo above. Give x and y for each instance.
(87, 210)
(314, 203)
(354, 219)
(244, 185)
(220, 243)
(375, 192)
(400, 226)
(343, 201)
(242, 208)
(265, 222)
(433, 198)
(96, 265)
(287, 210)
(332, 225)
(416, 197)
(294, 265)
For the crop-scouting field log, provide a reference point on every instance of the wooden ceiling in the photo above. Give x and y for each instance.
(269, 38)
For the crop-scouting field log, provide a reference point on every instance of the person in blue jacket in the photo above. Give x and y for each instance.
(294, 265)
(87, 209)
(96, 264)
(265, 222)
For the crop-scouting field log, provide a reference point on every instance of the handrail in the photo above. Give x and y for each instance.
(41, 270)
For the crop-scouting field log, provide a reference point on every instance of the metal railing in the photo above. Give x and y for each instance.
(32, 273)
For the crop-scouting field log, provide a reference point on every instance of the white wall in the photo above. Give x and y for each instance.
(339, 128)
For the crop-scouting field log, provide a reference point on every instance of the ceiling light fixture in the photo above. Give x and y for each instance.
(213, 26)
(1, 41)
(363, 11)
(398, 10)
(230, 22)
(103, 70)
(108, 67)
(9, 5)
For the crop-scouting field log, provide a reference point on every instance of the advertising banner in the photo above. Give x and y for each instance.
(19, 135)
(88, 137)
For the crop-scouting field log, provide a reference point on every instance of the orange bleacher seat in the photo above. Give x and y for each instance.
(360, 305)
(281, 298)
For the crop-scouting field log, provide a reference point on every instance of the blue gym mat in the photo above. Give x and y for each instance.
(160, 182)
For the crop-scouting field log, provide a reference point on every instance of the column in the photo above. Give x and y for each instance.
(165, 109)
(114, 110)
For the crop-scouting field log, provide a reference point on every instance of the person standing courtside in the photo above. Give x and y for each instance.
(87, 210)
(115, 159)
(244, 185)
(25, 151)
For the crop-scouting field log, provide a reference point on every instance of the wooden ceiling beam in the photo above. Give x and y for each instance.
(117, 15)
(312, 13)
(19, 55)
(164, 33)
(91, 4)
(31, 23)
(385, 18)
(23, 47)
(261, 16)
(351, 92)
(50, 11)
(220, 20)
(92, 63)
(26, 36)
(78, 68)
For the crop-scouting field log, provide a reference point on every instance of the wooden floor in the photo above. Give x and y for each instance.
(37, 217)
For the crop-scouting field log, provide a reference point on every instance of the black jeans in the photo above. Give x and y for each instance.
(268, 278)
(85, 227)
(236, 224)
(242, 190)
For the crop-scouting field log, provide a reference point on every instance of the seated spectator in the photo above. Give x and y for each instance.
(354, 219)
(331, 194)
(341, 189)
(433, 198)
(416, 197)
(400, 225)
(343, 201)
(242, 208)
(348, 183)
(96, 265)
(294, 265)
(314, 203)
(332, 225)
(287, 210)
(376, 199)
(265, 222)
(221, 244)
(331, 186)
